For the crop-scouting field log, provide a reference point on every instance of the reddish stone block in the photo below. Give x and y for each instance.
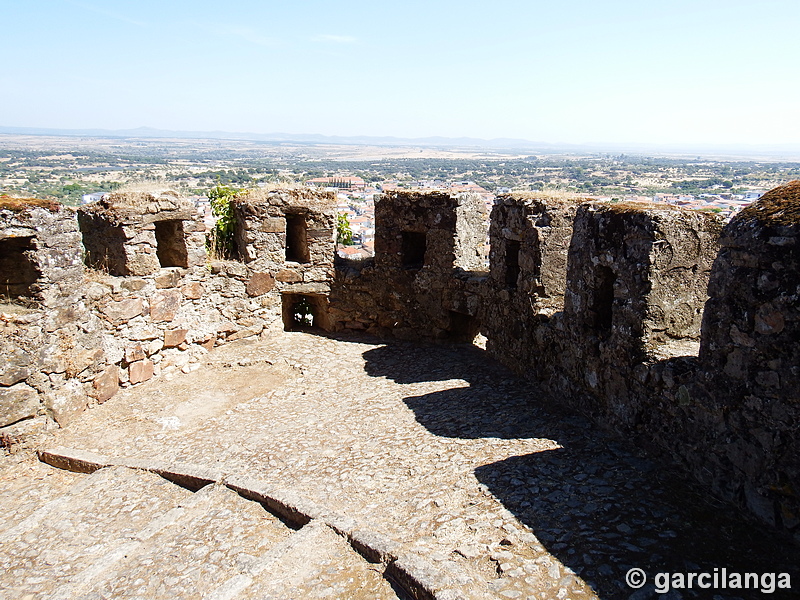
(134, 353)
(140, 371)
(164, 305)
(193, 291)
(260, 283)
(169, 279)
(174, 337)
(106, 384)
(123, 310)
(289, 276)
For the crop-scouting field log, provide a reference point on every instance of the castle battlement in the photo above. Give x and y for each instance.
(659, 323)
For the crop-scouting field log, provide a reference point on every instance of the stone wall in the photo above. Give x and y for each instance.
(288, 238)
(602, 304)
(750, 357)
(72, 336)
(137, 233)
(424, 243)
(636, 286)
(529, 241)
(47, 333)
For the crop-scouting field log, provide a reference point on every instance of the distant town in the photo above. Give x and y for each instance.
(77, 170)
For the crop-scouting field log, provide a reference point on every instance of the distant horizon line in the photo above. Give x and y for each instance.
(784, 151)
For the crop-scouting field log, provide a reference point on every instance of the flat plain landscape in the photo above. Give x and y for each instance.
(67, 167)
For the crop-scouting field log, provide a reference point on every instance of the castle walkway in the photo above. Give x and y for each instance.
(439, 449)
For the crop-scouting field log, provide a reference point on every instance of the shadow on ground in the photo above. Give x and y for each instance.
(595, 503)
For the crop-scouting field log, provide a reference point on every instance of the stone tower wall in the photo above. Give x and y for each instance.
(600, 303)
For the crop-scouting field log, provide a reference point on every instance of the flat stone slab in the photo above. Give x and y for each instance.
(64, 538)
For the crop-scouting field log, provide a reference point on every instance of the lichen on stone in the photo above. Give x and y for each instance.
(778, 207)
(23, 204)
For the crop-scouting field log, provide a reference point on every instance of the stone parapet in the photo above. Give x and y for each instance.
(604, 305)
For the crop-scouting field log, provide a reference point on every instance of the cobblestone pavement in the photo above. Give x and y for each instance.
(444, 451)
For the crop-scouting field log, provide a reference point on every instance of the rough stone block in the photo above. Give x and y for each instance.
(170, 279)
(134, 284)
(106, 384)
(81, 359)
(174, 337)
(140, 371)
(67, 402)
(143, 333)
(154, 346)
(274, 225)
(260, 283)
(17, 402)
(164, 305)
(15, 365)
(208, 344)
(135, 353)
(247, 332)
(288, 276)
(123, 310)
(193, 291)
(235, 269)
(227, 327)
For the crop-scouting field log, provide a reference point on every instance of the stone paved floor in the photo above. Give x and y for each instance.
(444, 451)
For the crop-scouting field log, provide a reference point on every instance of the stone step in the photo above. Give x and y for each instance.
(65, 537)
(131, 532)
(26, 486)
(316, 563)
(221, 537)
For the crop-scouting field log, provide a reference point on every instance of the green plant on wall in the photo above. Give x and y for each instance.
(344, 234)
(221, 242)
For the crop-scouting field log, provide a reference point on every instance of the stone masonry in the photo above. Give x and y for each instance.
(136, 233)
(287, 237)
(600, 305)
(424, 242)
(152, 303)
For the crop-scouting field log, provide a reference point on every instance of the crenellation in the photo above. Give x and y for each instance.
(604, 305)
(539, 230)
(137, 233)
(424, 242)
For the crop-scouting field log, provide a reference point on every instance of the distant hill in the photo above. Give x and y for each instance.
(303, 138)
(775, 152)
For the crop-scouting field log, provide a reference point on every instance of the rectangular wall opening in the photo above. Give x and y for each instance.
(512, 263)
(104, 244)
(297, 239)
(171, 244)
(305, 312)
(18, 271)
(463, 327)
(413, 249)
(603, 302)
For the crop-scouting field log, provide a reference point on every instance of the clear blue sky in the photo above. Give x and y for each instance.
(568, 71)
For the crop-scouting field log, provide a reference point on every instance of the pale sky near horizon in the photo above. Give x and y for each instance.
(579, 71)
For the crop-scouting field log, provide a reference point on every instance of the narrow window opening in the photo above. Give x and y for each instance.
(171, 244)
(18, 271)
(463, 327)
(603, 307)
(304, 312)
(104, 245)
(413, 249)
(297, 239)
(512, 263)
